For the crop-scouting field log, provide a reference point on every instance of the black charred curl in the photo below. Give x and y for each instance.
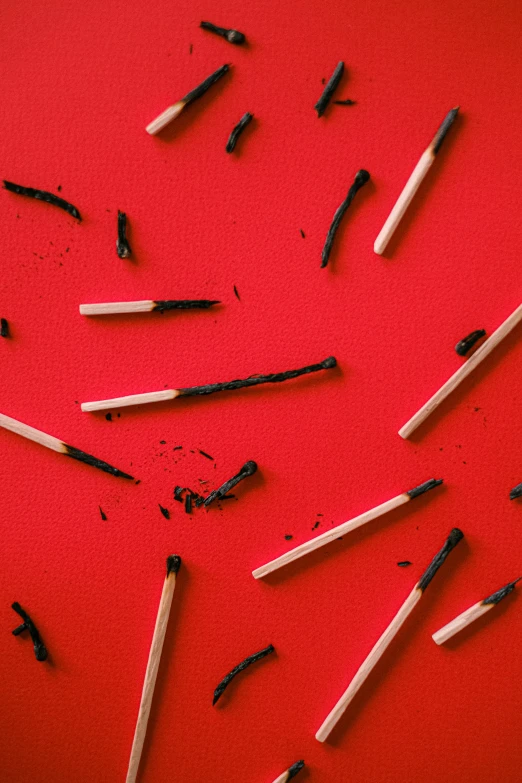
(40, 650)
(294, 769)
(447, 122)
(329, 90)
(451, 542)
(183, 304)
(496, 598)
(248, 469)
(82, 456)
(467, 343)
(361, 178)
(122, 245)
(201, 89)
(239, 668)
(173, 564)
(232, 36)
(238, 130)
(425, 487)
(43, 195)
(516, 492)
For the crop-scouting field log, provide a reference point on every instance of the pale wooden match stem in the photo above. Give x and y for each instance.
(330, 535)
(367, 666)
(283, 778)
(165, 117)
(460, 622)
(150, 675)
(131, 399)
(109, 308)
(402, 203)
(32, 434)
(463, 372)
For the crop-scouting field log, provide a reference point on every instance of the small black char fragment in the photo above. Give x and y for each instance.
(59, 188)
(177, 448)
(82, 456)
(236, 292)
(232, 36)
(204, 454)
(238, 129)
(173, 564)
(361, 178)
(184, 304)
(190, 50)
(425, 487)
(164, 511)
(516, 492)
(447, 122)
(108, 416)
(288, 538)
(4, 327)
(43, 195)
(302, 233)
(294, 769)
(451, 542)
(40, 650)
(177, 494)
(404, 563)
(103, 514)
(122, 245)
(316, 525)
(347, 102)
(227, 497)
(248, 469)
(239, 668)
(138, 481)
(201, 89)
(466, 344)
(188, 503)
(163, 442)
(329, 90)
(495, 598)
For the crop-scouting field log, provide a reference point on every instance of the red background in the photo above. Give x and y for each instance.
(80, 83)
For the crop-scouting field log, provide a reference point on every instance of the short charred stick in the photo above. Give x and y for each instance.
(188, 503)
(165, 512)
(499, 595)
(446, 124)
(329, 90)
(232, 36)
(238, 130)
(43, 195)
(248, 469)
(177, 493)
(122, 245)
(239, 668)
(4, 327)
(516, 492)
(361, 178)
(184, 304)
(40, 650)
(466, 344)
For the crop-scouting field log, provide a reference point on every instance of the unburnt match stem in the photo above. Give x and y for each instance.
(50, 442)
(248, 469)
(419, 172)
(239, 668)
(462, 373)
(473, 613)
(40, 650)
(43, 195)
(361, 178)
(466, 344)
(122, 245)
(245, 120)
(175, 110)
(232, 36)
(147, 306)
(160, 629)
(290, 773)
(211, 388)
(346, 527)
(389, 634)
(329, 90)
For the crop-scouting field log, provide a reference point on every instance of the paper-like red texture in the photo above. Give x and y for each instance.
(80, 81)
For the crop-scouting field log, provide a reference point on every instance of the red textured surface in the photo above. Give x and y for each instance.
(80, 82)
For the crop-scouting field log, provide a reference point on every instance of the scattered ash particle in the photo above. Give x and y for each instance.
(237, 293)
(108, 416)
(288, 538)
(404, 563)
(302, 233)
(102, 514)
(164, 511)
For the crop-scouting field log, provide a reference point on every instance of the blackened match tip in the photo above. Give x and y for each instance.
(425, 487)
(362, 176)
(516, 492)
(454, 537)
(329, 362)
(295, 768)
(173, 564)
(451, 542)
(249, 468)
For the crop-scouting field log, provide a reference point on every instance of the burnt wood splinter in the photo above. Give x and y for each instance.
(122, 245)
(239, 668)
(329, 90)
(248, 469)
(238, 129)
(40, 650)
(43, 195)
(232, 36)
(361, 178)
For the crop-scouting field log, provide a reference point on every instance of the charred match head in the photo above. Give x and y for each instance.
(425, 487)
(448, 121)
(451, 542)
(294, 769)
(248, 469)
(173, 564)
(497, 597)
(122, 245)
(232, 36)
(466, 344)
(516, 492)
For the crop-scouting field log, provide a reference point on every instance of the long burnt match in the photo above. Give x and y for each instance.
(329, 90)
(239, 668)
(122, 245)
(346, 527)
(40, 650)
(238, 129)
(466, 344)
(58, 445)
(232, 36)
(473, 613)
(160, 629)
(211, 388)
(419, 172)
(43, 195)
(290, 773)
(248, 469)
(389, 634)
(147, 306)
(361, 178)
(175, 110)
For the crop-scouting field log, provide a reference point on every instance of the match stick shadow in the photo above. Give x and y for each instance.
(239, 678)
(498, 611)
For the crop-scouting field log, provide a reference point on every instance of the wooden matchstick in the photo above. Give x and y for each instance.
(171, 394)
(473, 613)
(175, 110)
(412, 185)
(290, 773)
(345, 527)
(57, 445)
(387, 637)
(463, 372)
(146, 306)
(160, 629)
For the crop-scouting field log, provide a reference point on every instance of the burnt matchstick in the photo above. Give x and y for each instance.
(211, 388)
(43, 195)
(57, 445)
(389, 634)
(473, 613)
(412, 185)
(466, 344)
(160, 629)
(232, 36)
(122, 245)
(4, 327)
(175, 110)
(361, 178)
(248, 469)
(346, 527)
(329, 90)
(147, 306)
(238, 130)
(290, 773)
(516, 492)
(40, 650)
(463, 372)
(239, 668)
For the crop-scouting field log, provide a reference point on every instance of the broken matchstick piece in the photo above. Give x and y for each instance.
(40, 650)
(472, 614)
(345, 527)
(361, 178)
(463, 372)
(173, 565)
(412, 185)
(123, 248)
(389, 634)
(248, 469)
(329, 90)
(146, 306)
(239, 668)
(290, 773)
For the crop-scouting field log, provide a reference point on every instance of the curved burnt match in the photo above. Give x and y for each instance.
(238, 129)
(239, 668)
(248, 469)
(40, 650)
(466, 344)
(361, 178)
(329, 90)
(516, 492)
(122, 245)
(232, 36)
(43, 195)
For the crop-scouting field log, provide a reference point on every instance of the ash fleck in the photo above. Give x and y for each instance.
(164, 511)
(108, 416)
